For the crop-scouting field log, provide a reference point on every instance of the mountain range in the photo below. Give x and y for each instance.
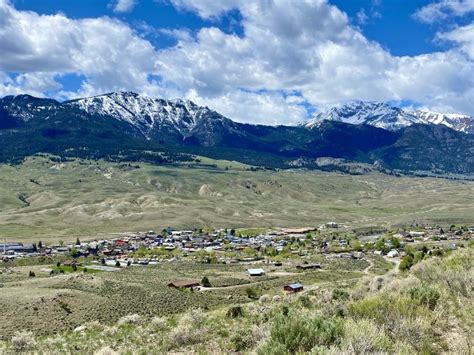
(382, 115)
(128, 126)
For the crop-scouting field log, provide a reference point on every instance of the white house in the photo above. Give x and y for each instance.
(256, 272)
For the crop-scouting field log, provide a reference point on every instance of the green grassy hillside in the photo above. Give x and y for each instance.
(45, 199)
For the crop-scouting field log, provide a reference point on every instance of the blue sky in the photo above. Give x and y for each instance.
(263, 61)
(388, 22)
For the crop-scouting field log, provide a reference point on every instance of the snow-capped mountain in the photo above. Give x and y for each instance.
(146, 113)
(26, 107)
(376, 114)
(126, 126)
(461, 123)
(382, 115)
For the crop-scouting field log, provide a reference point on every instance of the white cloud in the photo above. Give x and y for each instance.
(305, 47)
(309, 46)
(250, 107)
(463, 37)
(36, 84)
(207, 8)
(106, 51)
(442, 9)
(362, 17)
(123, 5)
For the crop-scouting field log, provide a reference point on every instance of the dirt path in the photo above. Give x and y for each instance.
(228, 287)
(396, 261)
(366, 270)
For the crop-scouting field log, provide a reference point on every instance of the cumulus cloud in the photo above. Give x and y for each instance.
(463, 37)
(362, 17)
(311, 47)
(272, 108)
(32, 43)
(36, 84)
(442, 9)
(123, 5)
(304, 47)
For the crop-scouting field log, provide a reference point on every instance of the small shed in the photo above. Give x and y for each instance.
(293, 288)
(184, 284)
(256, 272)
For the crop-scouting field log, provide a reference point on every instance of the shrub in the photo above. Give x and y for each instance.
(106, 350)
(276, 298)
(243, 339)
(339, 294)
(251, 293)
(23, 341)
(425, 295)
(385, 309)
(195, 317)
(184, 334)
(205, 282)
(406, 263)
(301, 332)
(365, 337)
(158, 323)
(305, 301)
(130, 319)
(235, 311)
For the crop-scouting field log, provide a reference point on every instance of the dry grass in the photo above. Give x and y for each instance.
(76, 199)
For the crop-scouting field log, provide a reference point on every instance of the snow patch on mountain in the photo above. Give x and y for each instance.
(26, 107)
(382, 115)
(144, 112)
(458, 122)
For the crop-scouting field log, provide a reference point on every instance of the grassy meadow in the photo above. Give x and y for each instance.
(43, 199)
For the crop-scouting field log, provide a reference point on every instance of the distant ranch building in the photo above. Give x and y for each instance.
(308, 266)
(256, 272)
(293, 288)
(184, 284)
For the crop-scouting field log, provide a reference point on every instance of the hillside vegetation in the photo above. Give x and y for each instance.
(50, 199)
(428, 310)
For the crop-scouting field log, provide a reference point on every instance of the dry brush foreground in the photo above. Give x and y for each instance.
(426, 310)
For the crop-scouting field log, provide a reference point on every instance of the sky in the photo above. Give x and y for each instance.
(268, 62)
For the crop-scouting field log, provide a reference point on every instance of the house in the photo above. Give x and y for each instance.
(452, 246)
(256, 272)
(308, 266)
(392, 253)
(293, 288)
(184, 284)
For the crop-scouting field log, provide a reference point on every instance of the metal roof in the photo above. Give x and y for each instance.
(295, 285)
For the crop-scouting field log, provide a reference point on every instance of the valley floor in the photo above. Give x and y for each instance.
(44, 199)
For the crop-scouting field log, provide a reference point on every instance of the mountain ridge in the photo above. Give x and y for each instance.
(383, 115)
(128, 126)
